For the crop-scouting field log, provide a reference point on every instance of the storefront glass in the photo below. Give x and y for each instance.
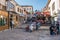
(3, 21)
(3, 18)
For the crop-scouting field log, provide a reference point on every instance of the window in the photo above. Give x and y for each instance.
(6, 0)
(30, 8)
(3, 7)
(18, 9)
(53, 6)
(3, 18)
(49, 8)
(3, 21)
(24, 8)
(21, 11)
(27, 8)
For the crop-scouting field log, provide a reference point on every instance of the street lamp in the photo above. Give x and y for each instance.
(1, 16)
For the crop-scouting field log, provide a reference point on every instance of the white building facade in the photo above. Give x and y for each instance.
(22, 13)
(54, 6)
(3, 2)
(29, 9)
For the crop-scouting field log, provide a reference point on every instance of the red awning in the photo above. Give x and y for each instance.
(46, 13)
(38, 12)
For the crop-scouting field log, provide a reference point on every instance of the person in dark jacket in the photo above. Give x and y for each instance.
(57, 25)
(11, 24)
(38, 24)
(51, 30)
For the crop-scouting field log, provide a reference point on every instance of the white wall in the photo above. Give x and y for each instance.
(59, 4)
(2, 2)
(57, 9)
(50, 6)
(29, 10)
(24, 13)
(56, 6)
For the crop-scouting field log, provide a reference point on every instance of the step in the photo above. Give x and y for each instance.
(44, 27)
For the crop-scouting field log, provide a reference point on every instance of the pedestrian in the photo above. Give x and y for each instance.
(57, 25)
(53, 30)
(11, 24)
(31, 27)
(37, 25)
(24, 21)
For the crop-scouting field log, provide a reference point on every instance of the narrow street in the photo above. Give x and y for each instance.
(29, 19)
(21, 34)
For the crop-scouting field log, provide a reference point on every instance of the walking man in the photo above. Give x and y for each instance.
(11, 24)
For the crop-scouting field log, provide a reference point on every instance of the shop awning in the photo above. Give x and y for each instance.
(46, 13)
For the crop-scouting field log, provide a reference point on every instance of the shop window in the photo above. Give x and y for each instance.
(3, 21)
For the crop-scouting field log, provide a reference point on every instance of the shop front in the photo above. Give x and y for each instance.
(14, 16)
(22, 18)
(3, 20)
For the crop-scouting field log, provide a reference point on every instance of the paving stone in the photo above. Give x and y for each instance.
(21, 34)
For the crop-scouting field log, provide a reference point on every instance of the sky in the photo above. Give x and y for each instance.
(37, 4)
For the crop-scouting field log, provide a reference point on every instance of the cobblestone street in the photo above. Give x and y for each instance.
(29, 19)
(21, 34)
